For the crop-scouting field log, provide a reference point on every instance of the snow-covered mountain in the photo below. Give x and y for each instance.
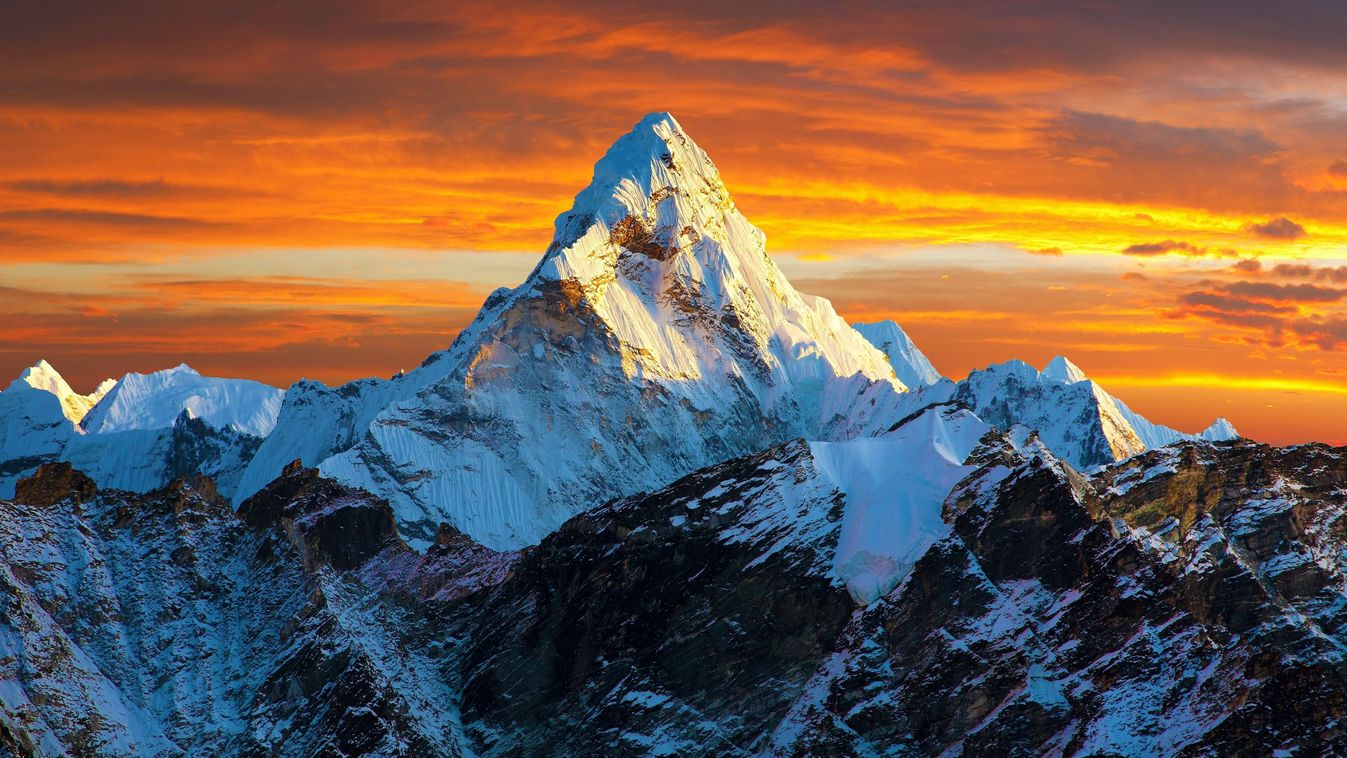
(137, 433)
(1076, 418)
(909, 363)
(34, 423)
(654, 501)
(155, 400)
(654, 337)
(74, 406)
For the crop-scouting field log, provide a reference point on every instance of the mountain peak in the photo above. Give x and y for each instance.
(911, 365)
(155, 400)
(655, 193)
(1220, 430)
(1063, 370)
(43, 376)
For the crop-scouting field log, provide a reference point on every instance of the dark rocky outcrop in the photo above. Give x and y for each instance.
(330, 523)
(54, 483)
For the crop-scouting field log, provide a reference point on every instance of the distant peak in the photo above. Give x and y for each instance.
(1063, 370)
(43, 376)
(1220, 429)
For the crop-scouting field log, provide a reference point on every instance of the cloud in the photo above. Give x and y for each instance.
(1306, 271)
(1293, 270)
(1280, 228)
(1231, 304)
(1247, 266)
(313, 292)
(1328, 332)
(1301, 293)
(1176, 246)
(1338, 168)
(1055, 252)
(116, 188)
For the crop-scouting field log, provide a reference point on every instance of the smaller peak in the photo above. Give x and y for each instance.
(1013, 366)
(43, 376)
(41, 368)
(1221, 429)
(1063, 370)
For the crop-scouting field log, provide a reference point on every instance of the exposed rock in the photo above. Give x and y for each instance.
(54, 483)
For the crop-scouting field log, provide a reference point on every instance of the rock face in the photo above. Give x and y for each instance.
(162, 624)
(1184, 602)
(55, 483)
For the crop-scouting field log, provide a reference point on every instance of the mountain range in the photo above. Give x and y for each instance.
(654, 500)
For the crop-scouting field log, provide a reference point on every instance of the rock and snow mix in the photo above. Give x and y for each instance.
(656, 501)
(136, 433)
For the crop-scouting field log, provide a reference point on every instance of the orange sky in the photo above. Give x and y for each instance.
(330, 190)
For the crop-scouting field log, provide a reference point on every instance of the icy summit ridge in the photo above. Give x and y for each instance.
(1079, 420)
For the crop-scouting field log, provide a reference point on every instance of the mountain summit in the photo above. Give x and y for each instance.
(654, 337)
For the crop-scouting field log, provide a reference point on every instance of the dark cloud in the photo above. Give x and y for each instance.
(1299, 293)
(1231, 303)
(100, 218)
(1049, 251)
(1155, 163)
(1280, 228)
(1281, 312)
(1173, 246)
(1328, 332)
(1293, 270)
(1338, 168)
(123, 189)
(1247, 266)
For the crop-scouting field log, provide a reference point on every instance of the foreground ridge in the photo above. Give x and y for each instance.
(1183, 601)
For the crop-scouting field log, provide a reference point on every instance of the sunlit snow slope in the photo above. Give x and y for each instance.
(655, 337)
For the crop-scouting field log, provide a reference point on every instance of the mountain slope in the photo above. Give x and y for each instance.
(654, 337)
(1186, 601)
(164, 624)
(1076, 418)
(911, 365)
(154, 401)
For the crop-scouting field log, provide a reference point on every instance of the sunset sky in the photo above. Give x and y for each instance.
(1157, 190)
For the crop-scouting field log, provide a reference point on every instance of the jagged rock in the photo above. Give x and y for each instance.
(330, 523)
(54, 483)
